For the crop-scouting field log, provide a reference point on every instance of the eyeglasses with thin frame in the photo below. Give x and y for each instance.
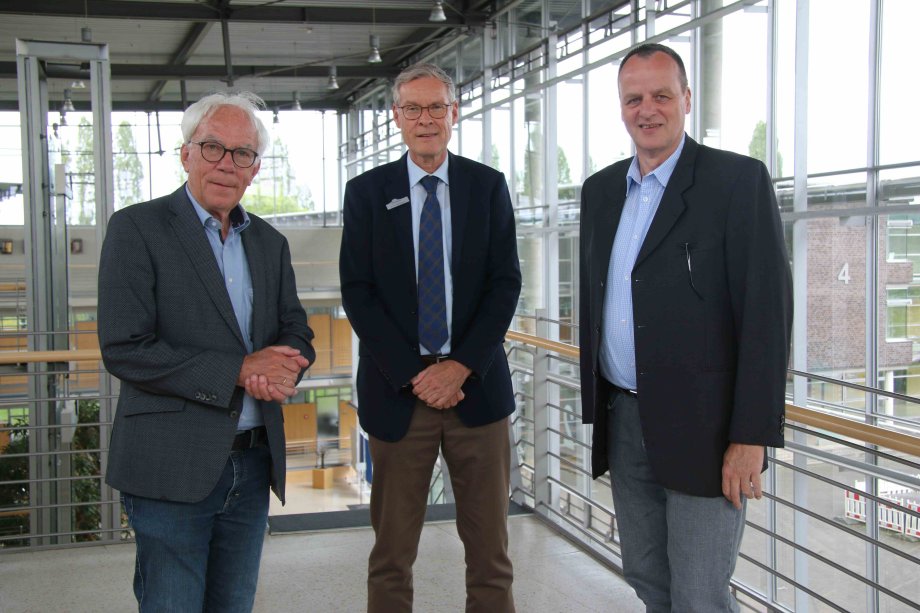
(212, 151)
(435, 111)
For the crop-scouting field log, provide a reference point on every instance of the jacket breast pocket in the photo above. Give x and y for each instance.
(140, 403)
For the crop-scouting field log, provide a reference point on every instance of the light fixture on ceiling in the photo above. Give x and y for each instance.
(67, 106)
(296, 105)
(333, 82)
(437, 12)
(374, 56)
(63, 120)
(78, 85)
(86, 34)
(275, 117)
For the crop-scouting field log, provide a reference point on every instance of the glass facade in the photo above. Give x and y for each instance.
(819, 90)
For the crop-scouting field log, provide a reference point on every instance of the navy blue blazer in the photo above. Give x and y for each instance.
(712, 344)
(379, 292)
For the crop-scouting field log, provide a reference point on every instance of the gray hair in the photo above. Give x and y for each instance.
(248, 102)
(420, 71)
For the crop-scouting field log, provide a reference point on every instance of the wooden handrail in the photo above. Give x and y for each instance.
(29, 357)
(842, 426)
(565, 349)
(850, 428)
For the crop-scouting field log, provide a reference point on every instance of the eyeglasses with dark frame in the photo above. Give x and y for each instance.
(435, 111)
(213, 151)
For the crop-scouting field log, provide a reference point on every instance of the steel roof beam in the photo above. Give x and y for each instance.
(175, 11)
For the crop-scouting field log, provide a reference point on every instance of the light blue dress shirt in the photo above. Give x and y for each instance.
(417, 196)
(643, 195)
(231, 259)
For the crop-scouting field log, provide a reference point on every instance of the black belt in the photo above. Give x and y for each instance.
(434, 359)
(247, 439)
(622, 390)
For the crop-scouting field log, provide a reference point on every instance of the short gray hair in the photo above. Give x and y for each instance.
(420, 71)
(248, 102)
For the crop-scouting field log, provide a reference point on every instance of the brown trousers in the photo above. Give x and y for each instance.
(478, 460)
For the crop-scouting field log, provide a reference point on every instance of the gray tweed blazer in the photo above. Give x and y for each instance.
(167, 330)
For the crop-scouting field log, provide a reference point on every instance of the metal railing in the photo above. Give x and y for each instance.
(838, 528)
(834, 532)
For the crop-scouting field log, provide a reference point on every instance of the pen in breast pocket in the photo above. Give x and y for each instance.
(690, 271)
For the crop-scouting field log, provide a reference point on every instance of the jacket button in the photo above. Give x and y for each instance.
(597, 328)
(233, 413)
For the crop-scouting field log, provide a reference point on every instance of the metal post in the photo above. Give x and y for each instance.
(800, 286)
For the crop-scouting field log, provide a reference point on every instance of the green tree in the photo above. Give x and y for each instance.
(567, 191)
(84, 203)
(758, 147)
(87, 516)
(129, 173)
(274, 190)
(14, 494)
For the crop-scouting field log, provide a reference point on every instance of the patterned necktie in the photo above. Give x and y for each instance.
(432, 306)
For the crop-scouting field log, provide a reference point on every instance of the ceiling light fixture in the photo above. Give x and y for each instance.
(275, 117)
(333, 82)
(86, 34)
(67, 106)
(296, 105)
(437, 12)
(374, 56)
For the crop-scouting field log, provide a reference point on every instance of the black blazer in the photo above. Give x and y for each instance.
(167, 330)
(711, 361)
(377, 268)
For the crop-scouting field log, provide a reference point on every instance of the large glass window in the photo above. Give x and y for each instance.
(837, 84)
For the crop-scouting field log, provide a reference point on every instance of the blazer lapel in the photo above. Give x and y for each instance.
(672, 203)
(460, 186)
(258, 272)
(605, 221)
(191, 236)
(397, 188)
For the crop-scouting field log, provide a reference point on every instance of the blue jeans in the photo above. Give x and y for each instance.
(678, 551)
(203, 556)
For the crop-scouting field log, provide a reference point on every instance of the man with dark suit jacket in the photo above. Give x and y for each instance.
(685, 322)
(199, 319)
(430, 281)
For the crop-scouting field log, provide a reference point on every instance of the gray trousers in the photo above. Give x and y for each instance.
(678, 551)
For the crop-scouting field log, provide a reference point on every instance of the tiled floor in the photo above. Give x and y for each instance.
(325, 571)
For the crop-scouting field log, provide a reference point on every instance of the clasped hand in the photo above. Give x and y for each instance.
(271, 373)
(439, 385)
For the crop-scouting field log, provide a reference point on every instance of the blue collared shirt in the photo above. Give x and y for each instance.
(643, 195)
(417, 196)
(231, 259)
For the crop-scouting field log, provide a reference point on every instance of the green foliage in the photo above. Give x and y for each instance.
(84, 182)
(129, 173)
(274, 190)
(87, 463)
(86, 517)
(758, 147)
(14, 494)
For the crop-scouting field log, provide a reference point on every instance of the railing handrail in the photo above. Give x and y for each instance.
(65, 355)
(866, 433)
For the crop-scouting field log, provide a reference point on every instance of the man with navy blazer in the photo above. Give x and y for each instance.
(200, 320)
(685, 322)
(430, 281)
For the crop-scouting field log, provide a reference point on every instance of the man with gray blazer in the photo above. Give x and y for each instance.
(199, 319)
